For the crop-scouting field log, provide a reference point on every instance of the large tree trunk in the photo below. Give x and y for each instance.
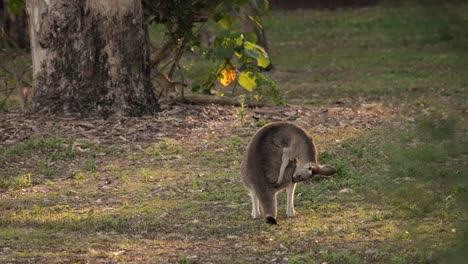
(90, 58)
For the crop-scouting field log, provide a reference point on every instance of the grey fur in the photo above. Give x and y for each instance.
(279, 155)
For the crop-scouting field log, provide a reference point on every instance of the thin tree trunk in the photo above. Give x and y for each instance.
(14, 27)
(2, 21)
(90, 58)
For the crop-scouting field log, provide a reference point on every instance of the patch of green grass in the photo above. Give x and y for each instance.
(54, 148)
(61, 218)
(347, 176)
(43, 159)
(341, 257)
(184, 260)
(16, 182)
(90, 165)
(222, 188)
(378, 51)
(399, 259)
(327, 256)
(220, 152)
(413, 173)
(416, 175)
(376, 218)
(164, 150)
(46, 169)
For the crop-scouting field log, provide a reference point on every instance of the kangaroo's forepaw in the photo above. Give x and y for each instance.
(277, 184)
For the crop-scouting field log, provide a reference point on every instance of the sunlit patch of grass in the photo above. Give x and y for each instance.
(119, 218)
(219, 153)
(335, 222)
(164, 150)
(16, 182)
(222, 188)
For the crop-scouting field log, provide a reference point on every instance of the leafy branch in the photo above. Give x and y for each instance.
(237, 56)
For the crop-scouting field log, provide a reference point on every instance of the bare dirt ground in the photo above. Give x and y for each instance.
(180, 121)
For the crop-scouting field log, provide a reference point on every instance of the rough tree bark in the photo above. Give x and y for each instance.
(90, 58)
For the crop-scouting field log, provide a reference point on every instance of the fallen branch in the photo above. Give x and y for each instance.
(210, 99)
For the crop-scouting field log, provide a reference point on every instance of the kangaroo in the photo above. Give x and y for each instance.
(279, 155)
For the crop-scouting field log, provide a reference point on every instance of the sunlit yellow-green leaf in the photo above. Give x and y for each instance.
(225, 22)
(249, 45)
(263, 61)
(247, 80)
(239, 40)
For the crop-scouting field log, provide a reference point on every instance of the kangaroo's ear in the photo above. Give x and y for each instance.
(325, 170)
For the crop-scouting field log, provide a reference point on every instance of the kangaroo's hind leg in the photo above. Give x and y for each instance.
(255, 205)
(290, 212)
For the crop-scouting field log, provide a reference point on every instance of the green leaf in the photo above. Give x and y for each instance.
(239, 3)
(249, 45)
(16, 7)
(196, 88)
(226, 21)
(251, 53)
(249, 50)
(239, 40)
(250, 36)
(247, 80)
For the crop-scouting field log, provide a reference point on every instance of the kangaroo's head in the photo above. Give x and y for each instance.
(306, 170)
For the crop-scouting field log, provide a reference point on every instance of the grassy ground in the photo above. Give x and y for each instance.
(179, 199)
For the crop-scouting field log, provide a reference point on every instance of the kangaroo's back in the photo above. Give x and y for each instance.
(262, 158)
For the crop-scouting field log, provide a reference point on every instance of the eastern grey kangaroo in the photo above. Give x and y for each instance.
(279, 155)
